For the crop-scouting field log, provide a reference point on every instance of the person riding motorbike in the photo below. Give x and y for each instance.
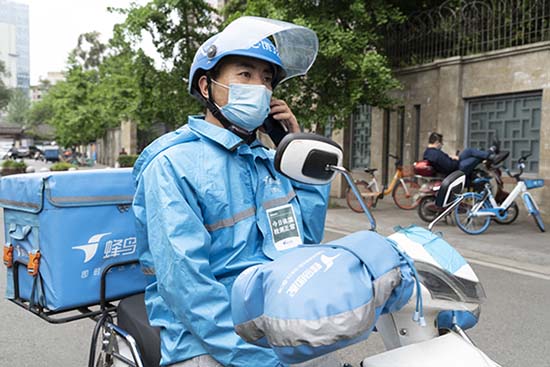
(466, 161)
(209, 202)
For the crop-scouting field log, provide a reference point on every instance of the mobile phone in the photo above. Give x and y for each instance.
(275, 129)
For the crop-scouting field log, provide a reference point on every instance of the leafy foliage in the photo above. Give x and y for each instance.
(11, 167)
(349, 70)
(107, 83)
(177, 28)
(127, 160)
(61, 166)
(18, 107)
(4, 91)
(16, 165)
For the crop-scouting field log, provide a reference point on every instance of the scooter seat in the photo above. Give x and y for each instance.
(132, 317)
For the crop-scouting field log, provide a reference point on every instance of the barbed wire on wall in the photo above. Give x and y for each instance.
(466, 27)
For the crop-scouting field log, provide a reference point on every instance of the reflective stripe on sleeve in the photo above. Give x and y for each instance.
(228, 222)
(324, 331)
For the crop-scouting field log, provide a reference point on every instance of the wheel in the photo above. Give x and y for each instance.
(427, 210)
(103, 340)
(513, 211)
(365, 192)
(534, 212)
(463, 215)
(405, 194)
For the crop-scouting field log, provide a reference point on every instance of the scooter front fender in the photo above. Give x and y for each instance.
(449, 350)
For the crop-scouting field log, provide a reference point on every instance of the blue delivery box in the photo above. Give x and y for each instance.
(66, 228)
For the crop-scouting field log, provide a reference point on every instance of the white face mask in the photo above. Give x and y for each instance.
(248, 104)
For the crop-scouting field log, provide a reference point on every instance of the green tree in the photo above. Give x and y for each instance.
(41, 111)
(77, 108)
(18, 107)
(176, 28)
(4, 91)
(349, 70)
(79, 115)
(89, 51)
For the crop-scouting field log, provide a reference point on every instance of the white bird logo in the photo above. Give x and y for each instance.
(328, 261)
(91, 247)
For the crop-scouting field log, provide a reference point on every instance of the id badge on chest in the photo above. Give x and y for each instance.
(284, 228)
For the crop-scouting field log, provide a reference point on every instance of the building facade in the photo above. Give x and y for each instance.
(490, 82)
(14, 43)
(37, 92)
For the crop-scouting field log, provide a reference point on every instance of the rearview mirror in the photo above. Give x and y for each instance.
(305, 157)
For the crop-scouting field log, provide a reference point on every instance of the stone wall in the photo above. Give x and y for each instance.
(109, 146)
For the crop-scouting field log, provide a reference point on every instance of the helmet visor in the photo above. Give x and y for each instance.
(297, 45)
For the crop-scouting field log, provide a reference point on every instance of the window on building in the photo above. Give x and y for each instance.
(360, 136)
(512, 119)
(329, 127)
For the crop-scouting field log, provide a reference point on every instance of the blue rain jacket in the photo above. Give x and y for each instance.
(200, 204)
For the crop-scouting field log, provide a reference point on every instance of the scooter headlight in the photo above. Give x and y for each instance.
(443, 285)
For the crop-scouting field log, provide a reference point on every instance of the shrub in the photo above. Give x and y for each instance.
(61, 166)
(127, 160)
(16, 165)
(10, 167)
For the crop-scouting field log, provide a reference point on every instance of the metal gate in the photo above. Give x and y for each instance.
(512, 119)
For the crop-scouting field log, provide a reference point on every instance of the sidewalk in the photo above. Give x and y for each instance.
(519, 245)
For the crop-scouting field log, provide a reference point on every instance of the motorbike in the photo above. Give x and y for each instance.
(428, 210)
(131, 342)
(428, 331)
(428, 190)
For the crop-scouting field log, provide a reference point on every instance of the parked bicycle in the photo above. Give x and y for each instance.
(404, 190)
(474, 215)
(428, 210)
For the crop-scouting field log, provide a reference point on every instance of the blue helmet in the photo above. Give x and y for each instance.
(209, 55)
(295, 51)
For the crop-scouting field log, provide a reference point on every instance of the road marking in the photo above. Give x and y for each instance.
(489, 264)
(509, 269)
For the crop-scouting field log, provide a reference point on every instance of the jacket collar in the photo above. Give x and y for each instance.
(214, 133)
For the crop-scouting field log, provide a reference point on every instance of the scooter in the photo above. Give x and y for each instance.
(427, 209)
(123, 336)
(447, 297)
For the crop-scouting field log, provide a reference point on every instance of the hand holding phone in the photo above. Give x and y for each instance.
(275, 129)
(280, 121)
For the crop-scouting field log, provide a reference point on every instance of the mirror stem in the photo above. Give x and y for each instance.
(450, 208)
(347, 175)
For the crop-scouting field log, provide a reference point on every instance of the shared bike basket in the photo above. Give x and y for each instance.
(63, 230)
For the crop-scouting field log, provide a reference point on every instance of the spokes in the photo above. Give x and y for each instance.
(467, 214)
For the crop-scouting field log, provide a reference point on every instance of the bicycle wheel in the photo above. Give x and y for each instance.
(464, 218)
(405, 194)
(534, 212)
(427, 210)
(513, 211)
(352, 200)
